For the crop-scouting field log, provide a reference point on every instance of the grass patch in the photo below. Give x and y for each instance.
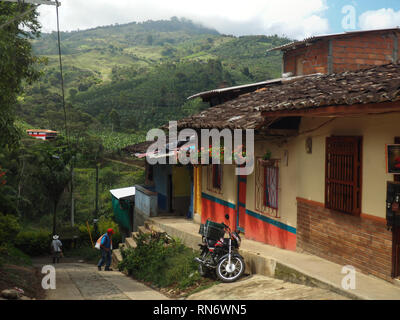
(164, 263)
(11, 255)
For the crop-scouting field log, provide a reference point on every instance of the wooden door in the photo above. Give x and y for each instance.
(241, 202)
(396, 236)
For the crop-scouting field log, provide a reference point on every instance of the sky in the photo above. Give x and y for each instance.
(296, 19)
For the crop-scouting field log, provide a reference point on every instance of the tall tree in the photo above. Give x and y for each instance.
(115, 120)
(18, 24)
(54, 172)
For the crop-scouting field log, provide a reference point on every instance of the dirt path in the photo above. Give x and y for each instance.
(81, 281)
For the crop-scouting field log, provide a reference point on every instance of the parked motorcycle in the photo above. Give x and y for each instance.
(220, 254)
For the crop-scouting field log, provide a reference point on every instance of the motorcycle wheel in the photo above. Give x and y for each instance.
(232, 272)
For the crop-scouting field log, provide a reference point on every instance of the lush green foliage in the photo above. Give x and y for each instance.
(162, 261)
(34, 243)
(9, 228)
(136, 76)
(120, 81)
(16, 63)
(11, 255)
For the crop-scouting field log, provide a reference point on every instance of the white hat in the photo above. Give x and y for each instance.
(55, 237)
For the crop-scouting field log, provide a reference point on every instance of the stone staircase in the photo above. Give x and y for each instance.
(148, 227)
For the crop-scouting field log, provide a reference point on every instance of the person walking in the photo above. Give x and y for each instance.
(106, 249)
(56, 249)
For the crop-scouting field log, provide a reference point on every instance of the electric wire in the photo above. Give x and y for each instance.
(61, 73)
(18, 17)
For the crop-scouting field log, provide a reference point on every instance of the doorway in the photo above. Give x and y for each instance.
(241, 202)
(170, 194)
(396, 236)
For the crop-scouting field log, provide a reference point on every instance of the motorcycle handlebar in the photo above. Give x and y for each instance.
(227, 227)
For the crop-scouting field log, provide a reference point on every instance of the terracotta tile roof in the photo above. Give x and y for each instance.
(373, 85)
(138, 148)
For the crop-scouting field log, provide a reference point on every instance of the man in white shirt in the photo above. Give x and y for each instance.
(56, 250)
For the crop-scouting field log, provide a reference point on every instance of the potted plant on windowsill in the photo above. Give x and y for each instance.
(266, 159)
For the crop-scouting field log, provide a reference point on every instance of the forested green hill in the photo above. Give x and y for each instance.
(132, 77)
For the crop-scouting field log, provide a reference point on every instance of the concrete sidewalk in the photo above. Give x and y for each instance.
(288, 265)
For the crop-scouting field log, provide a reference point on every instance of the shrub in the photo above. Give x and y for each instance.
(9, 228)
(162, 262)
(11, 255)
(34, 243)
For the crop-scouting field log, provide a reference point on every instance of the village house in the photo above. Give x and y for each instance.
(321, 182)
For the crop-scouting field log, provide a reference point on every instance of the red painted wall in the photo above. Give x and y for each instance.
(216, 212)
(255, 229)
(258, 230)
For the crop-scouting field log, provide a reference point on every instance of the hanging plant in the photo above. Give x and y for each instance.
(267, 155)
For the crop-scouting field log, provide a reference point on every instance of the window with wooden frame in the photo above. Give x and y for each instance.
(214, 178)
(267, 187)
(343, 174)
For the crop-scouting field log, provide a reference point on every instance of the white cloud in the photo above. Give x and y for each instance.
(294, 18)
(379, 19)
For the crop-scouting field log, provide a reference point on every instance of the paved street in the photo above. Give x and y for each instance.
(259, 287)
(80, 281)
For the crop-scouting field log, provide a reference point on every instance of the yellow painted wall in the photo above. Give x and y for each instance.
(197, 189)
(376, 130)
(287, 180)
(229, 184)
(305, 174)
(181, 181)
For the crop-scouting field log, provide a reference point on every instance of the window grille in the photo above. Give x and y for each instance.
(214, 178)
(267, 187)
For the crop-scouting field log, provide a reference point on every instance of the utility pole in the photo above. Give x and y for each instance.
(72, 194)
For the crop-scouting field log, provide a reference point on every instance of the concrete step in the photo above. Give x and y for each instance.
(130, 243)
(148, 224)
(121, 246)
(154, 228)
(135, 234)
(116, 258)
(143, 230)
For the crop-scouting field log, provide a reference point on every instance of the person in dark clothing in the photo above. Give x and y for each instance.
(106, 249)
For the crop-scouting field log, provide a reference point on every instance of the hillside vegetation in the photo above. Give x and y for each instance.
(136, 76)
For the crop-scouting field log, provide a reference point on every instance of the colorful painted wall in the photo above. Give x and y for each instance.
(278, 231)
(303, 179)
(181, 188)
(240, 204)
(361, 241)
(376, 130)
(215, 205)
(160, 177)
